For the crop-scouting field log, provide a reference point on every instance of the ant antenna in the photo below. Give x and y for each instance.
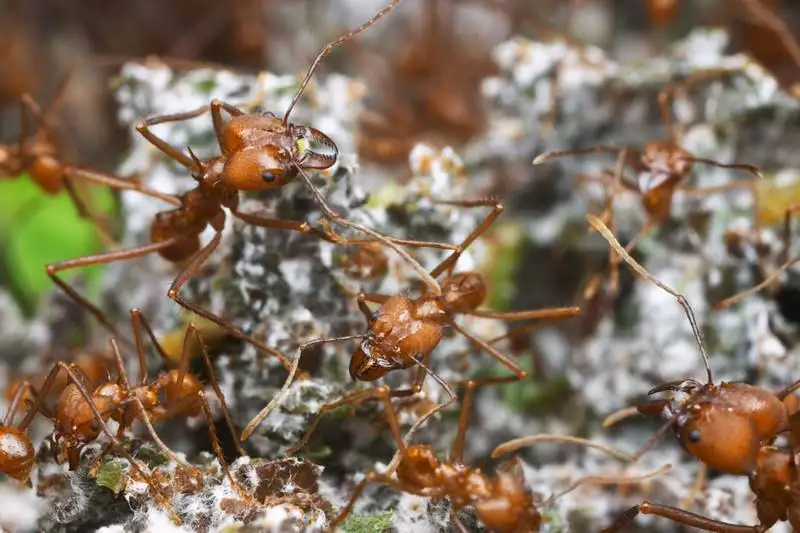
(327, 50)
(521, 442)
(278, 398)
(598, 225)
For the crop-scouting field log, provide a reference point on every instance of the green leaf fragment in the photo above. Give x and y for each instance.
(111, 476)
(368, 523)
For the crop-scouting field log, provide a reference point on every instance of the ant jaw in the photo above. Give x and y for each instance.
(317, 151)
(680, 385)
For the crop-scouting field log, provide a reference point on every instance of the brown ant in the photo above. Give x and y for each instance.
(36, 154)
(83, 409)
(17, 455)
(661, 168)
(258, 152)
(502, 501)
(731, 427)
(402, 332)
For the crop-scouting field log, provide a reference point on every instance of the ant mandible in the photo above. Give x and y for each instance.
(36, 154)
(661, 168)
(402, 332)
(731, 427)
(258, 152)
(502, 501)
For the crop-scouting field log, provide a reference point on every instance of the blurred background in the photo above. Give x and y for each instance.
(423, 68)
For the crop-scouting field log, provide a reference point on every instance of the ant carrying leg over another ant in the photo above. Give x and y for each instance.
(258, 152)
(402, 332)
(731, 427)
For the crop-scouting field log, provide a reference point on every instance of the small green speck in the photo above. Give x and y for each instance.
(368, 524)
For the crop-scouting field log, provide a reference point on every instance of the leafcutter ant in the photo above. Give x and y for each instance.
(402, 332)
(661, 168)
(502, 501)
(731, 427)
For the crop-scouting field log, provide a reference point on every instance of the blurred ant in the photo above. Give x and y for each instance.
(502, 501)
(731, 427)
(83, 408)
(36, 154)
(17, 455)
(764, 46)
(431, 87)
(661, 168)
(258, 152)
(402, 332)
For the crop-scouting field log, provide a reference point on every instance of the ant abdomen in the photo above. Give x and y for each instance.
(16, 453)
(47, 172)
(464, 292)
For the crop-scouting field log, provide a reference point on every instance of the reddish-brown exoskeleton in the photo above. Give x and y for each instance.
(83, 409)
(731, 427)
(431, 89)
(258, 152)
(402, 332)
(37, 154)
(661, 169)
(501, 501)
(17, 455)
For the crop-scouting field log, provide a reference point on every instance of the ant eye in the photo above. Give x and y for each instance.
(267, 176)
(694, 436)
(419, 357)
(374, 316)
(95, 425)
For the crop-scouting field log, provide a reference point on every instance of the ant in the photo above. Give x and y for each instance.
(731, 427)
(258, 152)
(402, 332)
(36, 154)
(17, 455)
(502, 501)
(83, 409)
(661, 168)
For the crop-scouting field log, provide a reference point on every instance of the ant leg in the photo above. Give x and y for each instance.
(648, 226)
(552, 313)
(546, 156)
(212, 376)
(144, 129)
(768, 280)
(488, 348)
(450, 261)
(138, 321)
(371, 297)
(667, 93)
(193, 265)
(697, 487)
(279, 224)
(679, 516)
(218, 449)
(787, 231)
(22, 389)
(457, 453)
(78, 172)
(456, 520)
(353, 399)
(219, 123)
(100, 259)
(278, 398)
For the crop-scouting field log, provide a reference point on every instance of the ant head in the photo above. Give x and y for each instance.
(664, 157)
(16, 453)
(312, 149)
(419, 467)
(464, 292)
(724, 425)
(259, 167)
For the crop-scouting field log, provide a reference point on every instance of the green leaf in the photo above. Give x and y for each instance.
(111, 476)
(368, 524)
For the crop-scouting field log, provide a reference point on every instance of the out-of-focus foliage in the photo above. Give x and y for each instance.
(37, 229)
